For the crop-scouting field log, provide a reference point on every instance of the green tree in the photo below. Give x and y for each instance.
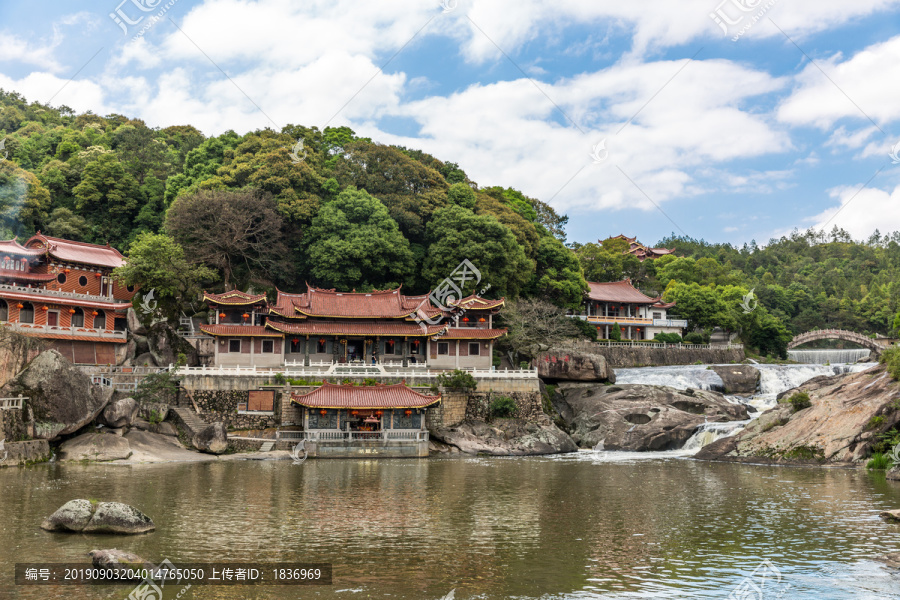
(108, 198)
(456, 234)
(557, 275)
(24, 202)
(354, 243)
(157, 263)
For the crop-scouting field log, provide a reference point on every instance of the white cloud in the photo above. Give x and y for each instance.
(80, 94)
(863, 212)
(14, 49)
(863, 85)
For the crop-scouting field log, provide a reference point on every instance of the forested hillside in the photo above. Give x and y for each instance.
(342, 211)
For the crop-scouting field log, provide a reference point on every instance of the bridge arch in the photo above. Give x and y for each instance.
(837, 334)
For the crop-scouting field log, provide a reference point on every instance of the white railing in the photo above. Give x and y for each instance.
(350, 373)
(57, 329)
(670, 323)
(648, 344)
(122, 386)
(12, 403)
(72, 295)
(401, 435)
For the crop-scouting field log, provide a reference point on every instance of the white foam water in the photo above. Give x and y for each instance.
(830, 356)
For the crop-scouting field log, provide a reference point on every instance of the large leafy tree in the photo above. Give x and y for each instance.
(109, 198)
(531, 323)
(157, 264)
(237, 232)
(456, 234)
(557, 276)
(353, 243)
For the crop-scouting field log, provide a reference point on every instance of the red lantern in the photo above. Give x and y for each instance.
(44, 307)
(246, 315)
(323, 412)
(378, 413)
(95, 313)
(71, 311)
(97, 275)
(354, 412)
(465, 319)
(20, 305)
(321, 340)
(482, 320)
(221, 315)
(408, 412)
(67, 270)
(295, 340)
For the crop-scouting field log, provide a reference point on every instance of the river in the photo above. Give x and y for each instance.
(570, 527)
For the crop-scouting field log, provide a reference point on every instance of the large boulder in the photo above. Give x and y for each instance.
(742, 380)
(118, 560)
(165, 345)
(506, 437)
(639, 417)
(60, 397)
(85, 516)
(840, 427)
(120, 413)
(570, 365)
(96, 447)
(212, 439)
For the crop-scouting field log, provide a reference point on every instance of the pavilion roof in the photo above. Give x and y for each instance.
(383, 304)
(331, 395)
(618, 291)
(78, 252)
(399, 329)
(25, 276)
(239, 331)
(233, 298)
(474, 302)
(472, 333)
(14, 247)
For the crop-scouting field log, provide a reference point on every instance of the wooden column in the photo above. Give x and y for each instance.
(306, 351)
(404, 349)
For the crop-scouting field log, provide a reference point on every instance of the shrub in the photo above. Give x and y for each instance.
(457, 380)
(667, 338)
(502, 407)
(280, 379)
(799, 401)
(585, 330)
(891, 358)
(875, 422)
(370, 381)
(695, 337)
(616, 334)
(879, 462)
(155, 417)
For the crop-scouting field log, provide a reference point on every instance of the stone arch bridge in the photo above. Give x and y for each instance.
(876, 345)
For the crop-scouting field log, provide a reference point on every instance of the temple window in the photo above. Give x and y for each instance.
(320, 346)
(26, 313)
(268, 346)
(657, 315)
(444, 348)
(474, 348)
(99, 319)
(234, 345)
(4, 311)
(78, 318)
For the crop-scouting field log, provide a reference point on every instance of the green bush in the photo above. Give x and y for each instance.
(457, 380)
(891, 358)
(155, 417)
(695, 337)
(503, 407)
(369, 381)
(667, 338)
(879, 462)
(875, 422)
(280, 379)
(799, 401)
(616, 334)
(586, 330)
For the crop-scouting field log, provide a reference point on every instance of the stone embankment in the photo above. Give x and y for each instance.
(846, 416)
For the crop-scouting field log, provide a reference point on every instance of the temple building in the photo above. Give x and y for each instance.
(641, 251)
(387, 420)
(640, 317)
(62, 291)
(327, 326)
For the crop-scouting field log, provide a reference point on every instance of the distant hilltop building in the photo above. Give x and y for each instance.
(641, 251)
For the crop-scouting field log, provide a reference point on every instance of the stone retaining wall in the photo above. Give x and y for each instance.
(19, 452)
(221, 405)
(13, 425)
(236, 444)
(456, 407)
(636, 356)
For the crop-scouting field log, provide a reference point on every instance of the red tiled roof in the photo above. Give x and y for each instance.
(233, 298)
(354, 328)
(474, 302)
(472, 333)
(384, 304)
(23, 276)
(617, 291)
(660, 304)
(80, 252)
(14, 247)
(330, 395)
(239, 331)
(35, 298)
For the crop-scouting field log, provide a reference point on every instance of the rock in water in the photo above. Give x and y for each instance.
(639, 417)
(95, 446)
(738, 379)
(890, 516)
(571, 365)
(120, 413)
(213, 439)
(836, 429)
(118, 560)
(506, 437)
(98, 517)
(61, 397)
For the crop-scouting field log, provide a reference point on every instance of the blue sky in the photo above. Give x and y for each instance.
(724, 137)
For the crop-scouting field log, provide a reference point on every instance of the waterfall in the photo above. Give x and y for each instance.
(710, 432)
(821, 357)
(680, 377)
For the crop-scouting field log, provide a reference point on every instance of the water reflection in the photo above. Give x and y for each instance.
(586, 525)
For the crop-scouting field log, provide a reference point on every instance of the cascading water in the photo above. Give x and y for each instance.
(773, 380)
(821, 357)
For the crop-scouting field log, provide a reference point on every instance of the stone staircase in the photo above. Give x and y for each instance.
(190, 419)
(267, 447)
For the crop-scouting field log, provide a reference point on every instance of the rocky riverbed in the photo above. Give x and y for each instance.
(847, 414)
